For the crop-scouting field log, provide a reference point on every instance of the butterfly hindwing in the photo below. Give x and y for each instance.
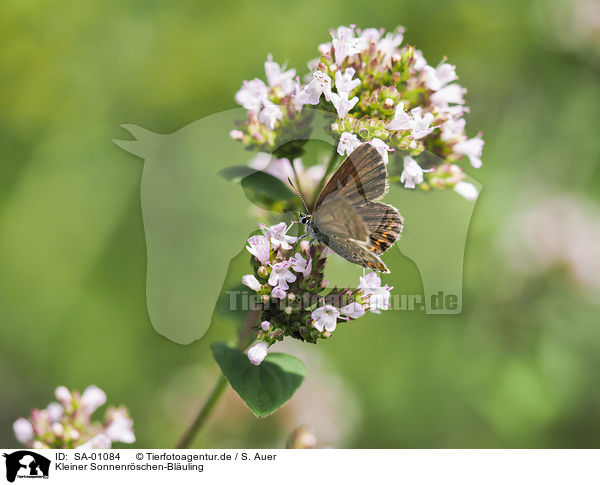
(383, 222)
(357, 252)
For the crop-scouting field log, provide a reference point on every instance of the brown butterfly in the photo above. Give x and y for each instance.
(347, 217)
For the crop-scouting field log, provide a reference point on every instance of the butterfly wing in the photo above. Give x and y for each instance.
(359, 182)
(358, 252)
(360, 178)
(336, 219)
(384, 224)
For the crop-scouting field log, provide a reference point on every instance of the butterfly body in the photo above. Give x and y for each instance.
(347, 216)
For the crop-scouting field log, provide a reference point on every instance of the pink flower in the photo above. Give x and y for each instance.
(100, 441)
(412, 175)
(348, 143)
(252, 94)
(453, 93)
(23, 430)
(277, 76)
(92, 398)
(353, 310)
(342, 104)
(437, 78)
(401, 121)
(344, 83)
(345, 44)
(120, 427)
(251, 282)
(379, 296)
(281, 275)
(259, 247)
(471, 148)
(421, 124)
(453, 128)
(301, 265)
(277, 234)
(311, 94)
(270, 114)
(325, 317)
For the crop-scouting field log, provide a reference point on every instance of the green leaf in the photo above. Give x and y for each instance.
(267, 185)
(265, 387)
(237, 173)
(261, 188)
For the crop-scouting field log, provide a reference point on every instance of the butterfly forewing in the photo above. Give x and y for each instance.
(361, 177)
(347, 216)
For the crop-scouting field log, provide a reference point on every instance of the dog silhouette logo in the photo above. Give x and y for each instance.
(26, 464)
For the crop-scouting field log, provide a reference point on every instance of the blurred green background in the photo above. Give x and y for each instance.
(518, 368)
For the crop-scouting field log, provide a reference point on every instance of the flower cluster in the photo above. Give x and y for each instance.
(68, 422)
(295, 300)
(376, 89)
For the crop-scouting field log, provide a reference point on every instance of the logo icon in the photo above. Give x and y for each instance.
(26, 464)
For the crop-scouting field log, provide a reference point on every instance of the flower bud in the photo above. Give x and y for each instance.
(263, 271)
(258, 352)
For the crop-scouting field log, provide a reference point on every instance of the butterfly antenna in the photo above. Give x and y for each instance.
(299, 194)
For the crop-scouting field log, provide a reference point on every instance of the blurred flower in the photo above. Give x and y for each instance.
(92, 398)
(120, 426)
(467, 190)
(472, 149)
(70, 425)
(278, 77)
(301, 438)
(23, 430)
(252, 94)
(266, 326)
(558, 232)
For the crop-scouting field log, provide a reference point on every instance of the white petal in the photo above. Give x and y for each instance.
(258, 352)
(251, 282)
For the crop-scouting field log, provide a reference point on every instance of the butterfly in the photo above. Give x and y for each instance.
(347, 216)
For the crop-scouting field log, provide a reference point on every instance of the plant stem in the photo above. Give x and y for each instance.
(219, 387)
(204, 413)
